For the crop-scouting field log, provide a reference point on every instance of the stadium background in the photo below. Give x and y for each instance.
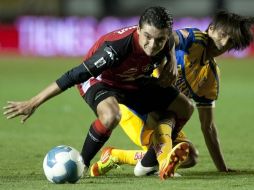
(40, 39)
(69, 27)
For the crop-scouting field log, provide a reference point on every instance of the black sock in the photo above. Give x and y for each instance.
(150, 158)
(93, 143)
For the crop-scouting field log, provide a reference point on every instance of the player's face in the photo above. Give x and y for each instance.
(151, 39)
(219, 41)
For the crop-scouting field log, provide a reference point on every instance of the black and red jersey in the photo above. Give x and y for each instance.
(117, 60)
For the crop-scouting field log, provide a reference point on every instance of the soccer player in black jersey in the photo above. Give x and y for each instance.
(118, 69)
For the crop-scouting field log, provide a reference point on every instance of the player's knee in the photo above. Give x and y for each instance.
(110, 118)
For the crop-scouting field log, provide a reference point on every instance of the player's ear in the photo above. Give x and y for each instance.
(138, 29)
(211, 28)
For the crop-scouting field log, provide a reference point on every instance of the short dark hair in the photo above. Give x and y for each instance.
(237, 26)
(158, 17)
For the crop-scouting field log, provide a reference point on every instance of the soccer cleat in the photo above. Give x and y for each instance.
(178, 155)
(105, 164)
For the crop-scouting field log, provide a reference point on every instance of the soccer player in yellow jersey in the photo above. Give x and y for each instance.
(199, 80)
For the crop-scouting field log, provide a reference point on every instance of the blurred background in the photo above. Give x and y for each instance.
(69, 27)
(42, 39)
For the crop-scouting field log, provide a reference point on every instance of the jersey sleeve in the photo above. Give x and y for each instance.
(185, 42)
(103, 58)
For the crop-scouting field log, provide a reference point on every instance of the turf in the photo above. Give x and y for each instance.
(66, 119)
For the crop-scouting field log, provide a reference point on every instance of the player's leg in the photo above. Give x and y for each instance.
(166, 100)
(145, 166)
(105, 105)
(183, 109)
(169, 158)
(161, 139)
(134, 128)
(111, 157)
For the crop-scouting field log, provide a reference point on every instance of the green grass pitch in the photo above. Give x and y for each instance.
(66, 119)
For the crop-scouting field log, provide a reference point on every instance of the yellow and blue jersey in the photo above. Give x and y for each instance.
(198, 78)
(198, 75)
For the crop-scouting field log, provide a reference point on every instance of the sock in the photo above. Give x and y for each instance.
(162, 142)
(130, 157)
(97, 135)
(149, 158)
(178, 127)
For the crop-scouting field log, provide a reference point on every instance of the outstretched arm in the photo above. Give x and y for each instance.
(77, 75)
(26, 108)
(208, 127)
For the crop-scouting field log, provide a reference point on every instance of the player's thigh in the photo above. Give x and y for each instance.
(182, 106)
(108, 111)
(102, 99)
(100, 92)
(134, 126)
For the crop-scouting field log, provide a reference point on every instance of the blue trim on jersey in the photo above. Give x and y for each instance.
(193, 38)
(185, 43)
(181, 44)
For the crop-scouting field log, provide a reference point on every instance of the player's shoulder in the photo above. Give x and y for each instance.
(185, 37)
(196, 35)
(119, 33)
(190, 32)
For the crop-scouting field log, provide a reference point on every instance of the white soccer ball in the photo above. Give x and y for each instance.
(63, 164)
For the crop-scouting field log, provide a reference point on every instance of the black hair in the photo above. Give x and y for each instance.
(158, 17)
(238, 27)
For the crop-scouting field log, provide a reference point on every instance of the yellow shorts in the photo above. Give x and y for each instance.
(140, 130)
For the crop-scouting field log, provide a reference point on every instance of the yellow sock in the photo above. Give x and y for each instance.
(130, 157)
(162, 142)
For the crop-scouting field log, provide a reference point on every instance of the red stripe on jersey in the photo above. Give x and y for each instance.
(83, 87)
(81, 92)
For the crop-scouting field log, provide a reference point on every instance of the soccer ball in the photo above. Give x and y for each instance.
(63, 164)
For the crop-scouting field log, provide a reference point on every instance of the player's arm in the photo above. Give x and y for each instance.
(103, 58)
(176, 38)
(206, 116)
(169, 72)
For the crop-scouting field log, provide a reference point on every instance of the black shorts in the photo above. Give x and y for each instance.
(147, 99)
